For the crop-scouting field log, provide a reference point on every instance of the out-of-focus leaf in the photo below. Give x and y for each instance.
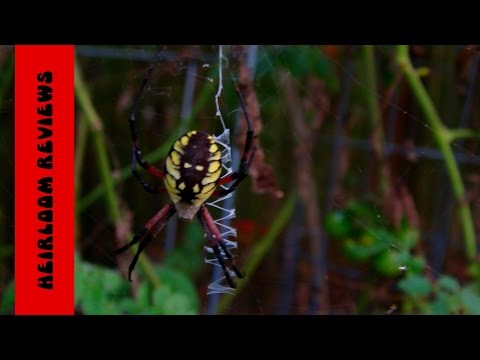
(188, 258)
(160, 296)
(302, 61)
(98, 290)
(470, 300)
(8, 300)
(391, 262)
(448, 284)
(180, 284)
(416, 264)
(415, 285)
(130, 306)
(407, 238)
(143, 294)
(440, 306)
(360, 250)
(178, 304)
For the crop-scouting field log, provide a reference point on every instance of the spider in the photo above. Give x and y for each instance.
(191, 175)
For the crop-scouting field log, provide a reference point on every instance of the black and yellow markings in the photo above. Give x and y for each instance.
(178, 147)
(214, 166)
(175, 157)
(217, 156)
(172, 169)
(171, 186)
(193, 168)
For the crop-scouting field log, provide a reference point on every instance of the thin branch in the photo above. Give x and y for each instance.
(80, 148)
(375, 115)
(304, 170)
(442, 136)
(457, 134)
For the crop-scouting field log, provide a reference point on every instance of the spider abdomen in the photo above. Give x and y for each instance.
(192, 169)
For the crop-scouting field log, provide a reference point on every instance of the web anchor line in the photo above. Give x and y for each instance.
(227, 212)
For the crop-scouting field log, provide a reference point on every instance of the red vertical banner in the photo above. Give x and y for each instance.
(44, 179)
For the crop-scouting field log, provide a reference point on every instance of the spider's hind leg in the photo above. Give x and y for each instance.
(229, 256)
(218, 244)
(147, 233)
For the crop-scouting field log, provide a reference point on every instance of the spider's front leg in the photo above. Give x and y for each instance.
(248, 153)
(137, 157)
(215, 240)
(148, 233)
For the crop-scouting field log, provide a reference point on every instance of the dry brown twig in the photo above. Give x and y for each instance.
(261, 173)
(306, 186)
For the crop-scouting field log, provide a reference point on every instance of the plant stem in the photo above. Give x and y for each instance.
(6, 76)
(262, 247)
(374, 114)
(443, 136)
(7, 157)
(96, 127)
(457, 134)
(80, 147)
(371, 85)
(204, 96)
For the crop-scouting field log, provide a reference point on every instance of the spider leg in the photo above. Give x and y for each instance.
(229, 256)
(143, 182)
(148, 233)
(247, 156)
(136, 151)
(214, 238)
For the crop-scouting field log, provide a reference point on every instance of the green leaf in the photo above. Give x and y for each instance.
(357, 253)
(79, 280)
(194, 236)
(416, 264)
(390, 262)
(474, 270)
(302, 61)
(161, 295)
(130, 306)
(471, 300)
(441, 305)
(143, 294)
(99, 290)
(415, 285)
(8, 300)
(178, 304)
(407, 238)
(179, 283)
(188, 257)
(448, 284)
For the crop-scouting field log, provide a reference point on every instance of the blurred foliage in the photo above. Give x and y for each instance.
(364, 239)
(99, 290)
(388, 252)
(8, 300)
(188, 257)
(442, 297)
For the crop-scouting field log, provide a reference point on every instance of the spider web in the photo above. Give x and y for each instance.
(218, 285)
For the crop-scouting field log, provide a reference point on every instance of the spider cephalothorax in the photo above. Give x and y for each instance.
(192, 169)
(192, 174)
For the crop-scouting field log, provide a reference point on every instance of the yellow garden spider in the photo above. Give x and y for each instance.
(191, 175)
